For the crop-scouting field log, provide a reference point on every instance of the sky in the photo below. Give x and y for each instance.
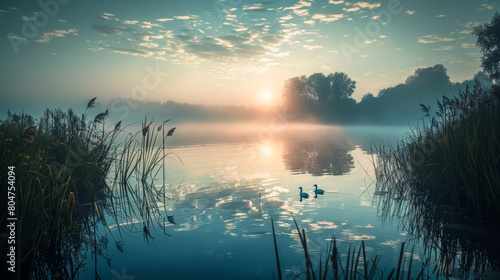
(225, 52)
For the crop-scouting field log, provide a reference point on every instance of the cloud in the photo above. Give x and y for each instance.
(336, 2)
(131, 22)
(133, 52)
(312, 47)
(16, 37)
(430, 39)
(186, 17)
(107, 30)
(148, 25)
(109, 16)
(445, 48)
(486, 7)
(164, 19)
(440, 16)
(209, 50)
(301, 12)
(310, 22)
(327, 17)
(47, 36)
(467, 45)
(299, 5)
(254, 8)
(367, 5)
(409, 12)
(353, 9)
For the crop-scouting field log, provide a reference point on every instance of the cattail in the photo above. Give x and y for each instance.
(171, 132)
(91, 103)
(100, 118)
(118, 125)
(145, 130)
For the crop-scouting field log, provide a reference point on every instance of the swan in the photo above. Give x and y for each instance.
(303, 194)
(318, 191)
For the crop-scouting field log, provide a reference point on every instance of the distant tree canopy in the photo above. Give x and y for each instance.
(488, 39)
(319, 95)
(327, 98)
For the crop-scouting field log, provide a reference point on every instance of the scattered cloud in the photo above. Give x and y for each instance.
(301, 12)
(164, 19)
(48, 36)
(186, 17)
(327, 17)
(409, 12)
(364, 5)
(255, 8)
(440, 16)
(312, 47)
(16, 37)
(467, 45)
(486, 7)
(353, 9)
(132, 22)
(108, 30)
(429, 39)
(299, 5)
(445, 48)
(336, 2)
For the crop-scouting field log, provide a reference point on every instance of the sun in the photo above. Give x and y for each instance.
(266, 95)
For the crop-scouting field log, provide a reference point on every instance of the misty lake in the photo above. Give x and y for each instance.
(225, 186)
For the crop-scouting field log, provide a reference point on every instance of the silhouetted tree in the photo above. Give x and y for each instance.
(429, 76)
(488, 39)
(325, 97)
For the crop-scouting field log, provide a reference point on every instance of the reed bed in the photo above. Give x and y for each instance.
(442, 180)
(72, 175)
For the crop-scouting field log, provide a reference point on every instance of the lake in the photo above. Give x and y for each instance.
(225, 184)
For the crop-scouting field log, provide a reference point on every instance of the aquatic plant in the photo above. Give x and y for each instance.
(443, 179)
(72, 175)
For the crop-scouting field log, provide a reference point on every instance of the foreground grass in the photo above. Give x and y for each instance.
(356, 265)
(70, 176)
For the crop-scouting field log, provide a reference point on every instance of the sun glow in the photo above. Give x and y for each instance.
(266, 95)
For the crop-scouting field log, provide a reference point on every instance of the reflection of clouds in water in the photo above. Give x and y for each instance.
(357, 237)
(392, 243)
(323, 225)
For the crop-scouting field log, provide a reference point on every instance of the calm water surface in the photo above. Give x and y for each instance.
(222, 197)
